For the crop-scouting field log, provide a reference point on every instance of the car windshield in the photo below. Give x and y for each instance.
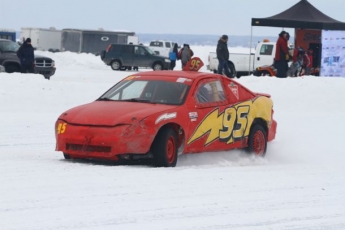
(8, 46)
(147, 91)
(149, 50)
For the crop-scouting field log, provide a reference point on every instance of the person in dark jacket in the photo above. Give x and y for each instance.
(282, 55)
(223, 55)
(26, 56)
(173, 56)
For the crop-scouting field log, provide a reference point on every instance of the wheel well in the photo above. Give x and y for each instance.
(157, 62)
(115, 60)
(261, 122)
(17, 65)
(177, 129)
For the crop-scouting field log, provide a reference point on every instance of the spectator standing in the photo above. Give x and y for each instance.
(26, 56)
(223, 55)
(186, 54)
(173, 56)
(282, 55)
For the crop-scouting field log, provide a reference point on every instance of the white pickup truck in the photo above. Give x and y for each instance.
(161, 47)
(244, 64)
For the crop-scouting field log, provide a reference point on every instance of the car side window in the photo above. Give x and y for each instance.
(167, 44)
(139, 50)
(127, 49)
(266, 49)
(114, 48)
(210, 92)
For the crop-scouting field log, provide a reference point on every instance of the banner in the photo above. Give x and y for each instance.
(333, 54)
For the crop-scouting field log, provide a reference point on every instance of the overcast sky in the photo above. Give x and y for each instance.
(213, 17)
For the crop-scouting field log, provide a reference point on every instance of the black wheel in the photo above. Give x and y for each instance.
(12, 68)
(115, 65)
(157, 66)
(231, 70)
(66, 156)
(257, 140)
(164, 148)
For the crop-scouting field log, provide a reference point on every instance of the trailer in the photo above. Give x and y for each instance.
(94, 41)
(43, 39)
(8, 34)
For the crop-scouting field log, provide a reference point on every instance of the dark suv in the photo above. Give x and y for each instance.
(123, 56)
(8, 58)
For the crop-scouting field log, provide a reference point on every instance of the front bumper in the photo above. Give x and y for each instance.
(81, 141)
(45, 71)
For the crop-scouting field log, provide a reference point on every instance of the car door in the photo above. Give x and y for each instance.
(141, 57)
(206, 120)
(264, 55)
(127, 53)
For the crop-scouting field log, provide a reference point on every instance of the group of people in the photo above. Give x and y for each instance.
(301, 60)
(184, 54)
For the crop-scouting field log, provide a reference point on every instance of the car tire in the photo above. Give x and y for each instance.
(257, 141)
(115, 65)
(157, 66)
(67, 156)
(164, 148)
(12, 68)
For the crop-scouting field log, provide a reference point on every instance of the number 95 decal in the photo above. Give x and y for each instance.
(61, 128)
(227, 126)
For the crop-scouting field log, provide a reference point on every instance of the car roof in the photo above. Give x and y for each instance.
(174, 75)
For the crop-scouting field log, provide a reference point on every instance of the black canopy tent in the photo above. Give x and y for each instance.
(302, 15)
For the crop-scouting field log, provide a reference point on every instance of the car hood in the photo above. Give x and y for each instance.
(42, 57)
(111, 113)
(14, 55)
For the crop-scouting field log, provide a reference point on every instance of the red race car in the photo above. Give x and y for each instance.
(160, 114)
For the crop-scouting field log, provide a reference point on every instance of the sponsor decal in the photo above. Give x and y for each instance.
(193, 116)
(131, 78)
(105, 39)
(182, 79)
(234, 89)
(166, 116)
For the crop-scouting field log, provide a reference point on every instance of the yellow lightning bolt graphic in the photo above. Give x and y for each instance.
(212, 124)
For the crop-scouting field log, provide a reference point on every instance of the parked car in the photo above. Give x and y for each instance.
(8, 58)
(158, 115)
(124, 56)
(245, 64)
(161, 47)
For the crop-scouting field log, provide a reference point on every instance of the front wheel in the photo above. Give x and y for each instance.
(157, 66)
(66, 156)
(257, 141)
(164, 148)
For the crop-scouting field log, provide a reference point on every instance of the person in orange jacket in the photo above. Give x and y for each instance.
(309, 64)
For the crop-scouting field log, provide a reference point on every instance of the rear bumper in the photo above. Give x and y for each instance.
(272, 131)
(45, 71)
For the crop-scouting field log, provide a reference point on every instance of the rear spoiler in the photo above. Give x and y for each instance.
(263, 94)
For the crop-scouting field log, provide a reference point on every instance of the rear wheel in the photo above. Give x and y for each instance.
(257, 141)
(115, 65)
(164, 148)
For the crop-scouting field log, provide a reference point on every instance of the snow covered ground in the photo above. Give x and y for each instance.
(299, 185)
